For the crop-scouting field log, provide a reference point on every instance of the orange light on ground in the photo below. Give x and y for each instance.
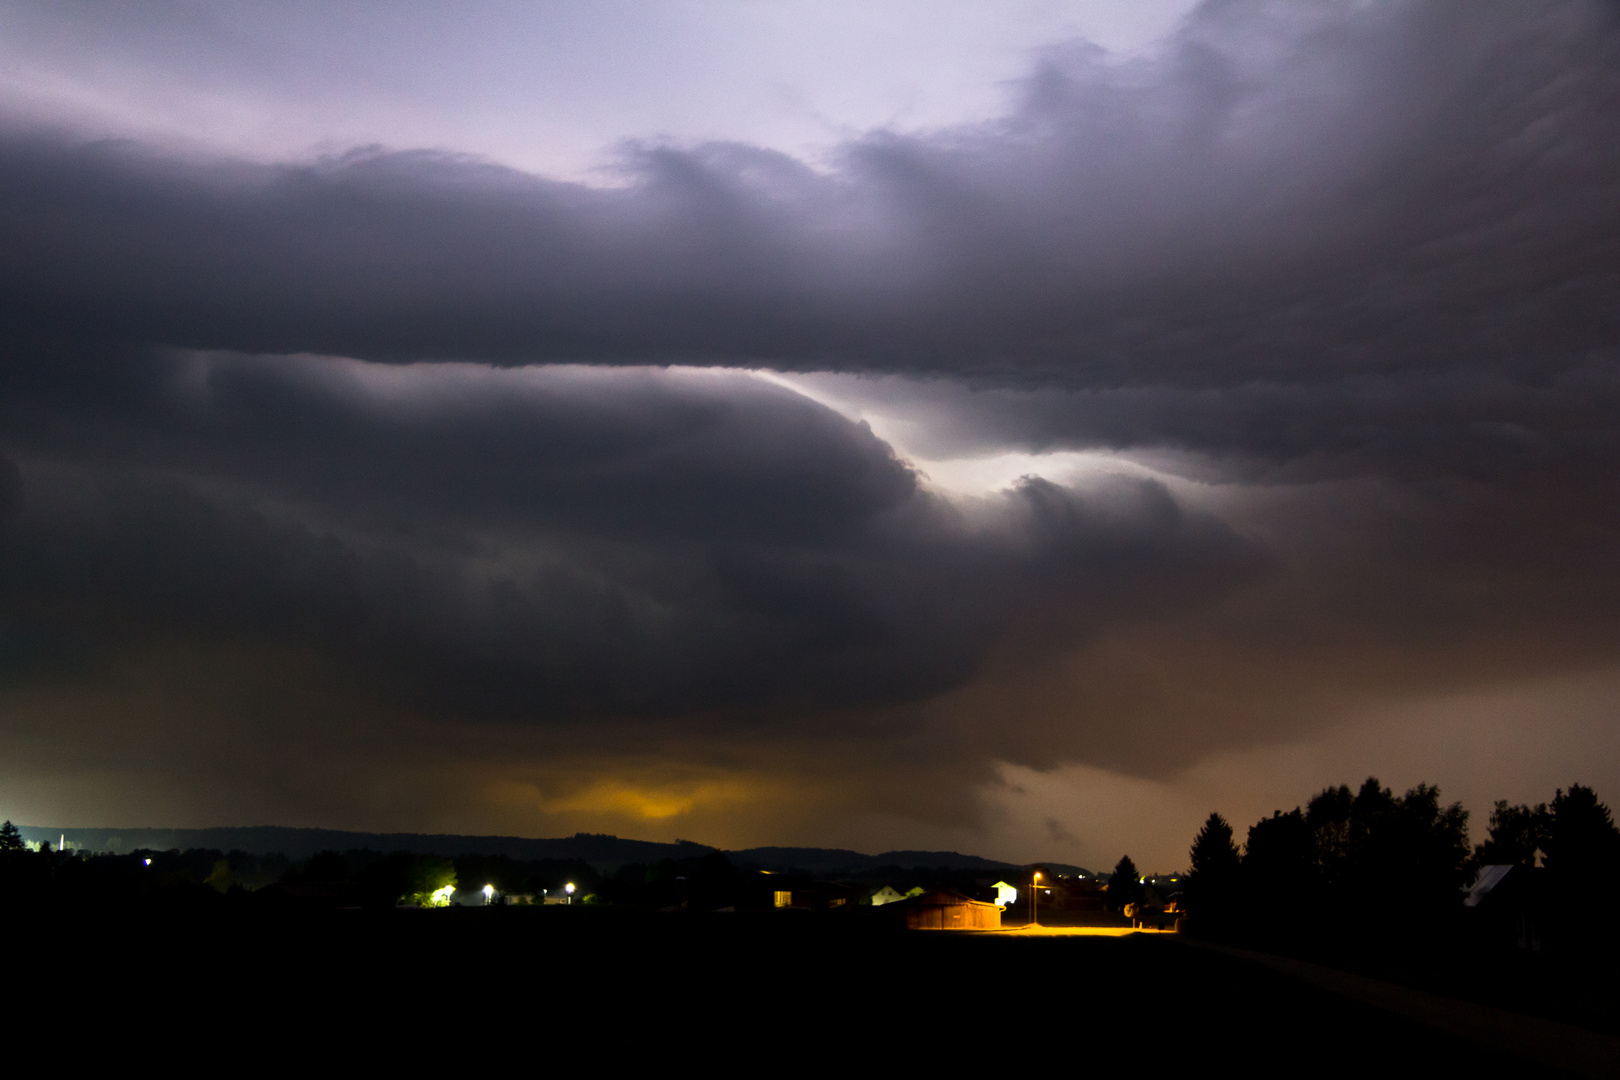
(1080, 931)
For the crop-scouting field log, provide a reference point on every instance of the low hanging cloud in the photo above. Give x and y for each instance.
(560, 544)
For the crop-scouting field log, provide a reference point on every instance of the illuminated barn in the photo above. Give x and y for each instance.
(946, 909)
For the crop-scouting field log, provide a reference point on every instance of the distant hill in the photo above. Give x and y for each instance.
(602, 851)
(594, 848)
(832, 861)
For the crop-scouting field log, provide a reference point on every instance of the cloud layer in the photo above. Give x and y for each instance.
(556, 544)
(1337, 288)
(1297, 194)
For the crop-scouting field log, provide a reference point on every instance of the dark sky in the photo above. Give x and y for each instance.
(1186, 422)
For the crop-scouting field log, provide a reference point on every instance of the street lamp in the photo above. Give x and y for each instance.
(569, 889)
(1034, 887)
(489, 893)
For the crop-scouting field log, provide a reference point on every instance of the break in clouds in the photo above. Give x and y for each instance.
(1334, 289)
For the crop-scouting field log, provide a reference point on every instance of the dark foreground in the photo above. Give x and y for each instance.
(615, 987)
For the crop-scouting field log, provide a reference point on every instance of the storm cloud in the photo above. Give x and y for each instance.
(560, 542)
(1279, 193)
(1323, 299)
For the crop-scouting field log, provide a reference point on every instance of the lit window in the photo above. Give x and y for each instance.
(784, 898)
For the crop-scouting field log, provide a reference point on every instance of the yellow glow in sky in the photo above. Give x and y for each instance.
(651, 802)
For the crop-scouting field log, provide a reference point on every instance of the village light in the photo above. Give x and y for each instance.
(569, 889)
(489, 893)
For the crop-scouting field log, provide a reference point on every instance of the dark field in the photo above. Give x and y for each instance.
(610, 985)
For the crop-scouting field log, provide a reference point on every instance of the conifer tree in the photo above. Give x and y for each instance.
(1125, 886)
(1215, 864)
(1581, 837)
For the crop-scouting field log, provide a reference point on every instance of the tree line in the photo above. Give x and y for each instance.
(1372, 866)
(201, 878)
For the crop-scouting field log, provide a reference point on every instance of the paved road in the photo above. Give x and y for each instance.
(1079, 931)
(1544, 1042)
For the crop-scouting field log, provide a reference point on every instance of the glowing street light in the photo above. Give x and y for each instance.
(489, 893)
(1034, 887)
(569, 889)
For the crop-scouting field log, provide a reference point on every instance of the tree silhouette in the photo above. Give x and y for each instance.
(1327, 816)
(11, 838)
(1215, 864)
(1426, 846)
(1125, 886)
(430, 877)
(1280, 881)
(1368, 857)
(1583, 867)
(1214, 854)
(1581, 837)
(1280, 853)
(1516, 832)
(1383, 860)
(407, 878)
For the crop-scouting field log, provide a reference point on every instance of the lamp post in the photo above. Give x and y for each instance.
(1034, 887)
(489, 894)
(569, 889)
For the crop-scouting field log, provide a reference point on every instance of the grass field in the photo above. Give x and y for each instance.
(602, 982)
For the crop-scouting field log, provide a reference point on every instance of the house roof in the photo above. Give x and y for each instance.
(1489, 878)
(942, 898)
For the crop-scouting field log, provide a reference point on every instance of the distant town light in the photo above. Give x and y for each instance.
(148, 862)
